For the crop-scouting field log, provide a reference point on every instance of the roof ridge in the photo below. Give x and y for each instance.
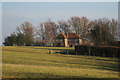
(70, 35)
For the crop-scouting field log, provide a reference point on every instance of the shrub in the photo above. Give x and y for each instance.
(104, 51)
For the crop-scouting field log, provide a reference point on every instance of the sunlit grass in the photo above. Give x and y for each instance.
(36, 62)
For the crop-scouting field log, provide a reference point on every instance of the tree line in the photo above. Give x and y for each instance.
(97, 31)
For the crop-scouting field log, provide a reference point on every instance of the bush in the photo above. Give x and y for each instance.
(104, 51)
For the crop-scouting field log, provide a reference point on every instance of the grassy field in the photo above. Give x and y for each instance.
(36, 62)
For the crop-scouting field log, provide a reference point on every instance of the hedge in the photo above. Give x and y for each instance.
(104, 51)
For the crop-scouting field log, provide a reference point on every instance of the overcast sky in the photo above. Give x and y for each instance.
(14, 14)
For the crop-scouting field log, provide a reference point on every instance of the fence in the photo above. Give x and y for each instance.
(62, 51)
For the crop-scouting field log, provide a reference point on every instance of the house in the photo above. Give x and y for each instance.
(68, 40)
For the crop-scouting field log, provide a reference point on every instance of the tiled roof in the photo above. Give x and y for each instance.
(68, 35)
(62, 35)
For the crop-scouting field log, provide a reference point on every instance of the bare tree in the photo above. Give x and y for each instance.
(26, 29)
(47, 32)
(80, 25)
(64, 27)
(50, 32)
(114, 28)
(100, 30)
(104, 31)
(41, 34)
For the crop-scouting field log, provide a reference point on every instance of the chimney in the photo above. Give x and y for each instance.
(66, 40)
(67, 35)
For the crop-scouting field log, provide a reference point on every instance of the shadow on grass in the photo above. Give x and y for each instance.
(112, 59)
(49, 76)
(66, 52)
(60, 51)
(23, 51)
(111, 66)
(51, 48)
(41, 75)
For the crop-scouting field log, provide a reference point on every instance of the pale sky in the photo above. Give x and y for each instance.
(16, 13)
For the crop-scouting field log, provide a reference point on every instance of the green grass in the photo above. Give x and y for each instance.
(36, 62)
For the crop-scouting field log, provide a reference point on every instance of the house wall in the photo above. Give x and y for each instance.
(59, 43)
(66, 42)
(80, 41)
(72, 42)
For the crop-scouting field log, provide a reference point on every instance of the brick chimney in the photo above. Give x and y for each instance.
(66, 40)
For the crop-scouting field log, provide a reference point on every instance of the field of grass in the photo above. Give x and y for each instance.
(36, 62)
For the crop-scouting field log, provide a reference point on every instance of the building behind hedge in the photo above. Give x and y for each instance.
(68, 40)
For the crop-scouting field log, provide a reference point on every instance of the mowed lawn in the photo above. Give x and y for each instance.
(36, 62)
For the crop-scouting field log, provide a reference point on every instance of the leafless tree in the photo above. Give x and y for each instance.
(26, 29)
(64, 27)
(47, 32)
(105, 31)
(80, 25)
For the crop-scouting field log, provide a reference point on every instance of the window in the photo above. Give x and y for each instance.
(69, 40)
(76, 43)
(76, 39)
(60, 39)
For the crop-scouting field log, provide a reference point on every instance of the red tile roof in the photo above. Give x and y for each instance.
(68, 35)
